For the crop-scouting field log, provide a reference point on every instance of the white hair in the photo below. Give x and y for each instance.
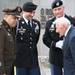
(62, 21)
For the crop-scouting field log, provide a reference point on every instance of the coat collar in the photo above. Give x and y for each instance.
(6, 25)
(67, 38)
(24, 24)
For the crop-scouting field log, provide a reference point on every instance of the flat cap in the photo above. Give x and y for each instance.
(29, 6)
(56, 3)
(16, 11)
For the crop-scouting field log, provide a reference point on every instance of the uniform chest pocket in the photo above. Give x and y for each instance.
(23, 36)
(9, 40)
(9, 37)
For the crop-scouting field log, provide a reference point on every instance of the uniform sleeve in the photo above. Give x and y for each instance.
(47, 40)
(2, 69)
(38, 32)
(72, 48)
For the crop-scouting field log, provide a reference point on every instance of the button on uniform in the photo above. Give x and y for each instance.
(30, 42)
(30, 47)
(21, 38)
(30, 38)
(30, 33)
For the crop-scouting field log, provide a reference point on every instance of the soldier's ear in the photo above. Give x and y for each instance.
(63, 7)
(6, 16)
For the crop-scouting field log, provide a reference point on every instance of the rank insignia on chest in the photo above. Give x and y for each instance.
(8, 34)
(21, 30)
(23, 22)
(52, 28)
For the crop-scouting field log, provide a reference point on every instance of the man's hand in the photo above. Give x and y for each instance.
(59, 44)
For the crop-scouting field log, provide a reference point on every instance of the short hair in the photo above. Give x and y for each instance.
(62, 20)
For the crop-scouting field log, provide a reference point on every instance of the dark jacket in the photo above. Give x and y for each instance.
(50, 38)
(7, 48)
(27, 39)
(69, 52)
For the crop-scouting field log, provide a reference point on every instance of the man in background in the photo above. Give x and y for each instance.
(51, 39)
(27, 36)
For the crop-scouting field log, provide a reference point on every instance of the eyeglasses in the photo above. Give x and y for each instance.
(14, 17)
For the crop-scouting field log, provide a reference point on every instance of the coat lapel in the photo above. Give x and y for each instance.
(7, 27)
(66, 41)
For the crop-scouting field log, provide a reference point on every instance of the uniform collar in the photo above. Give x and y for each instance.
(25, 20)
(6, 24)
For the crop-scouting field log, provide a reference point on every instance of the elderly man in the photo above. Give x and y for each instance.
(7, 40)
(50, 38)
(64, 27)
(27, 35)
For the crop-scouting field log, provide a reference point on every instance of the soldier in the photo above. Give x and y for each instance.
(7, 40)
(51, 39)
(27, 35)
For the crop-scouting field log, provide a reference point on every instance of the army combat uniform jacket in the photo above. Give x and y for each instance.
(7, 48)
(27, 38)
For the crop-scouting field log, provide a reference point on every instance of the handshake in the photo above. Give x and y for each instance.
(59, 44)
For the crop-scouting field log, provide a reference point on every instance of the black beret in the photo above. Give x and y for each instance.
(16, 11)
(29, 6)
(56, 3)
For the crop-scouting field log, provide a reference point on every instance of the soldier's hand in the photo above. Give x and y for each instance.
(59, 44)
